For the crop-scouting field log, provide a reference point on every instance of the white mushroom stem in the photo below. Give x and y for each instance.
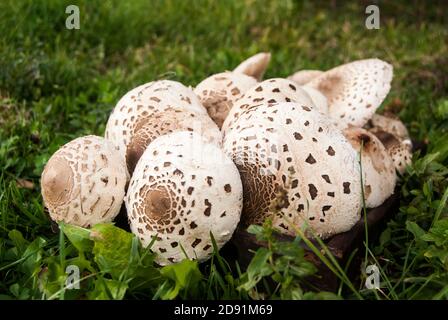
(254, 66)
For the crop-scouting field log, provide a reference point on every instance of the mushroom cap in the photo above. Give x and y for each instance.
(159, 123)
(182, 189)
(161, 95)
(401, 155)
(318, 99)
(83, 183)
(267, 92)
(302, 77)
(388, 123)
(254, 66)
(296, 166)
(378, 169)
(219, 92)
(354, 90)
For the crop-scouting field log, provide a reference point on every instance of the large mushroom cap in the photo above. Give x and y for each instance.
(354, 90)
(297, 167)
(140, 102)
(159, 123)
(378, 169)
(254, 66)
(219, 92)
(182, 189)
(302, 77)
(83, 183)
(267, 92)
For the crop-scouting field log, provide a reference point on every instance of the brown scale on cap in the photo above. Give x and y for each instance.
(288, 177)
(57, 181)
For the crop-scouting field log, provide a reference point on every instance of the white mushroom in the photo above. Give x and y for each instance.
(254, 66)
(140, 102)
(267, 92)
(83, 183)
(302, 77)
(159, 123)
(378, 169)
(219, 92)
(297, 168)
(182, 189)
(354, 90)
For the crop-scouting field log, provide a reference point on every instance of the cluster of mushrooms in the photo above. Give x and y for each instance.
(306, 152)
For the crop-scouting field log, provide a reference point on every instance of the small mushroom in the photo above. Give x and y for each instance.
(254, 66)
(388, 123)
(138, 103)
(183, 189)
(219, 92)
(302, 77)
(159, 123)
(378, 169)
(297, 169)
(267, 92)
(354, 90)
(83, 183)
(395, 137)
(399, 150)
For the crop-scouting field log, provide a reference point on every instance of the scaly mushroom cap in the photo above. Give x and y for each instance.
(267, 92)
(254, 66)
(302, 77)
(399, 150)
(378, 169)
(159, 123)
(138, 103)
(388, 123)
(83, 183)
(219, 92)
(182, 189)
(297, 167)
(354, 90)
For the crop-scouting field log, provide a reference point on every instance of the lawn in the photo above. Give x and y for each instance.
(57, 84)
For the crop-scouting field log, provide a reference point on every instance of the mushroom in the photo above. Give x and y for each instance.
(219, 92)
(255, 66)
(183, 189)
(158, 96)
(267, 92)
(302, 77)
(83, 183)
(159, 123)
(395, 137)
(297, 169)
(388, 123)
(377, 167)
(354, 90)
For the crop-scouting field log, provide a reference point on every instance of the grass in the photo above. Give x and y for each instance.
(58, 84)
